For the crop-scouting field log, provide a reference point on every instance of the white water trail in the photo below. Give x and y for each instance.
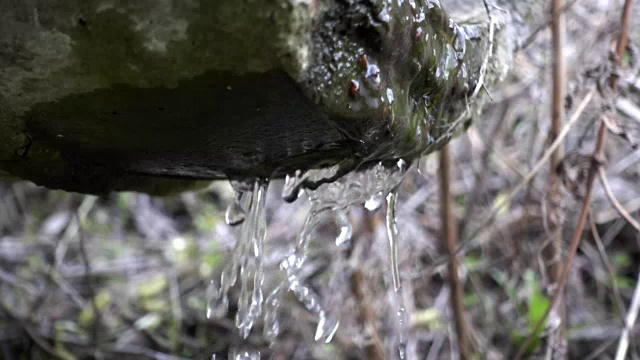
(251, 269)
(246, 259)
(392, 236)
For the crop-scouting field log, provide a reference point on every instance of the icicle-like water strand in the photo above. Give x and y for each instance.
(218, 294)
(271, 320)
(246, 259)
(251, 268)
(327, 325)
(237, 354)
(392, 235)
(292, 266)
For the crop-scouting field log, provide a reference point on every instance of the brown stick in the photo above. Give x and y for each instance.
(375, 349)
(552, 252)
(450, 242)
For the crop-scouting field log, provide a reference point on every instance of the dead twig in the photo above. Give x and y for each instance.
(612, 197)
(632, 315)
(552, 251)
(375, 350)
(450, 242)
(95, 326)
(607, 264)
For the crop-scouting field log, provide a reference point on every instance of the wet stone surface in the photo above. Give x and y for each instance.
(95, 97)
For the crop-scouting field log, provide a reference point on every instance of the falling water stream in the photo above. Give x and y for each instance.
(392, 236)
(367, 188)
(413, 121)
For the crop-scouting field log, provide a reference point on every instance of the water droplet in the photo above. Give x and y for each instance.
(373, 75)
(271, 320)
(403, 333)
(392, 235)
(344, 225)
(433, 3)
(390, 96)
(327, 328)
(384, 15)
(217, 303)
(236, 354)
(246, 260)
(235, 214)
(291, 189)
(374, 201)
(460, 44)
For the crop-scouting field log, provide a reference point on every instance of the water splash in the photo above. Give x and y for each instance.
(292, 266)
(291, 190)
(392, 236)
(247, 260)
(310, 180)
(328, 191)
(236, 354)
(271, 328)
(357, 188)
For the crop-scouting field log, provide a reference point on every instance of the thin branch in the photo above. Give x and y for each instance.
(612, 197)
(450, 242)
(375, 351)
(552, 251)
(90, 286)
(368, 316)
(607, 264)
(632, 315)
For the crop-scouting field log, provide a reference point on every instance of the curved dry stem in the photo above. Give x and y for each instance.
(612, 197)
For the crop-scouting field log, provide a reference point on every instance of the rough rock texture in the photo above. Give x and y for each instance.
(101, 95)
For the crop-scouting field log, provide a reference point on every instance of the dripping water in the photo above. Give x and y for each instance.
(246, 259)
(251, 269)
(235, 214)
(392, 236)
(329, 191)
(292, 267)
(345, 228)
(271, 321)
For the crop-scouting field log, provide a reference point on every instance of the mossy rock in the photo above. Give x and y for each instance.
(155, 96)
